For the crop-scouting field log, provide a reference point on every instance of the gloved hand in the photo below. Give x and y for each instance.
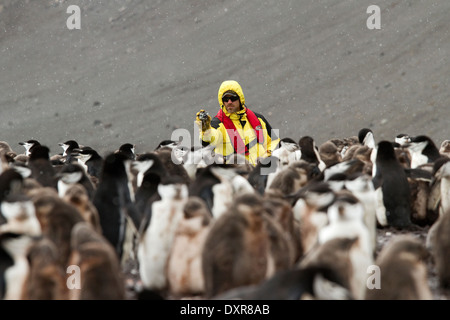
(203, 120)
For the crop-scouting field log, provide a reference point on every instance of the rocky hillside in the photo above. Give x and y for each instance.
(137, 70)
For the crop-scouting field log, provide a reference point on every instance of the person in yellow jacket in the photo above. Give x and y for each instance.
(236, 129)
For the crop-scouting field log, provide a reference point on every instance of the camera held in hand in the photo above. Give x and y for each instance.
(203, 115)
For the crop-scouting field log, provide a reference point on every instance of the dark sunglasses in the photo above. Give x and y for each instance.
(233, 98)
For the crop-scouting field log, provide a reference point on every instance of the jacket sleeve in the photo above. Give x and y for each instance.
(273, 145)
(212, 136)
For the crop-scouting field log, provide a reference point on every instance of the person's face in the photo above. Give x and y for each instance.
(231, 102)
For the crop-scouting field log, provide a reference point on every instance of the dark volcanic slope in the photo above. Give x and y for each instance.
(138, 69)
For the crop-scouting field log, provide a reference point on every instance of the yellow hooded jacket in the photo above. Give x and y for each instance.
(220, 139)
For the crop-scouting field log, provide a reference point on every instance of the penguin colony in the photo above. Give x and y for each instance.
(302, 224)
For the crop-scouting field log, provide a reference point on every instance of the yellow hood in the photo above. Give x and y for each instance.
(231, 85)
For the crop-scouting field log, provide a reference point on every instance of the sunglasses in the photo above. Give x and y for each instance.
(233, 98)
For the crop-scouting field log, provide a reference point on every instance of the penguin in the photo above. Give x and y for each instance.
(337, 181)
(242, 166)
(309, 283)
(403, 155)
(439, 198)
(167, 144)
(346, 167)
(57, 161)
(402, 271)
(42, 169)
(232, 181)
(293, 177)
(46, 278)
(343, 255)
(68, 147)
(367, 138)
(288, 150)
(402, 139)
(77, 196)
(13, 265)
(20, 216)
(200, 157)
(100, 275)
(260, 176)
(90, 160)
(28, 183)
(439, 187)
(244, 246)
(174, 169)
(71, 174)
(438, 239)
(362, 153)
(361, 186)
(18, 230)
(5, 148)
(281, 210)
(218, 184)
(20, 159)
(329, 153)
(129, 150)
(393, 187)
(420, 186)
(202, 186)
(113, 202)
(3, 163)
(11, 182)
(29, 145)
(445, 148)
(56, 218)
(143, 163)
(150, 171)
(180, 154)
(345, 144)
(156, 239)
(346, 220)
(7, 155)
(310, 153)
(442, 173)
(6, 262)
(309, 205)
(184, 265)
(423, 151)
(306, 152)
